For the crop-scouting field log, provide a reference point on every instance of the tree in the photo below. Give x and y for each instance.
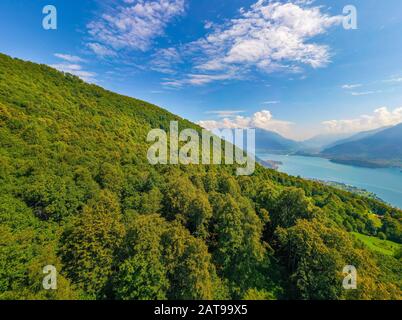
(53, 197)
(89, 245)
(238, 250)
(189, 267)
(142, 275)
(291, 206)
(392, 228)
(315, 255)
(26, 247)
(187, 204)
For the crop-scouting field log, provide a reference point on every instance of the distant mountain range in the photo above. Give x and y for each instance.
(375, 148)
(317, 143)
(268, 141)
(355, 137)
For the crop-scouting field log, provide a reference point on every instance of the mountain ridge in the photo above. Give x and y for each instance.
(378, 148)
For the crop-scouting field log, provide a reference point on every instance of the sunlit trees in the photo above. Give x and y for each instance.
(315, 256)
(77, 192)
(162, 260)
(89, 244)
(185, 203)
(291, 206)
(236, 242)
(141, 274)
(26, 247)
(190, 270)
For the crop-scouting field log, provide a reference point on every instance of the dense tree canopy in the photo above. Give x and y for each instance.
(77, 192)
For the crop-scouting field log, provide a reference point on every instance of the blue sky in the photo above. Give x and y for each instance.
(286, 66)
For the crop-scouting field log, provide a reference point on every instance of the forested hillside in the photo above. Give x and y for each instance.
(77, 192)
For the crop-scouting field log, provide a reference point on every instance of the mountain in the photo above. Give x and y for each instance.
(378, 148)
(319, 142)
(355, 137)
(79, 198)
(268, 142)
(272, 142)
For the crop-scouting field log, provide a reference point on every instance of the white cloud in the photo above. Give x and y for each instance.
(262, 120)
(134, 24)
(69, 58)
(270, 36)
(165, 60)
(101, 50)
(365, 93)
(225, 113)
(381, 117)
(271, 102)
(201, 79)
(393, 80)
(351, 86)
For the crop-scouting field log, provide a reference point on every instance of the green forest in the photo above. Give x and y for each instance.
(77, 192)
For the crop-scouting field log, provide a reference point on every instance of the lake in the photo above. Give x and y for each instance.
(385, 182)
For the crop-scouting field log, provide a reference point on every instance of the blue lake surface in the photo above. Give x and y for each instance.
(385, 182)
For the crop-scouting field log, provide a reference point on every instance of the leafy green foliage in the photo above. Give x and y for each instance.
(142, 273)
(89, 245)
(77, 192)
(315, 255)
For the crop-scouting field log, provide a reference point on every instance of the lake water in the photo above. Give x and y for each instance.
(384, 182)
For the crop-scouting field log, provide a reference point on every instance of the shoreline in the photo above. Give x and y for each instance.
(350, 178)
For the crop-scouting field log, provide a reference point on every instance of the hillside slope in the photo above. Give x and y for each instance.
(77, 193)
(383, 148)
(356, 137)
(272, 142)
(320, 142)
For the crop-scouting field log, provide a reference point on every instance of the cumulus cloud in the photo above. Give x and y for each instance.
(261, 120)
(134, 24)
(381, 117)
(270, 36)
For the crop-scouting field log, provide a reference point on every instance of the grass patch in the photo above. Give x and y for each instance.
(382, 246)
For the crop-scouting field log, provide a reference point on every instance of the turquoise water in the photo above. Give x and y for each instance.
(386, 183)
